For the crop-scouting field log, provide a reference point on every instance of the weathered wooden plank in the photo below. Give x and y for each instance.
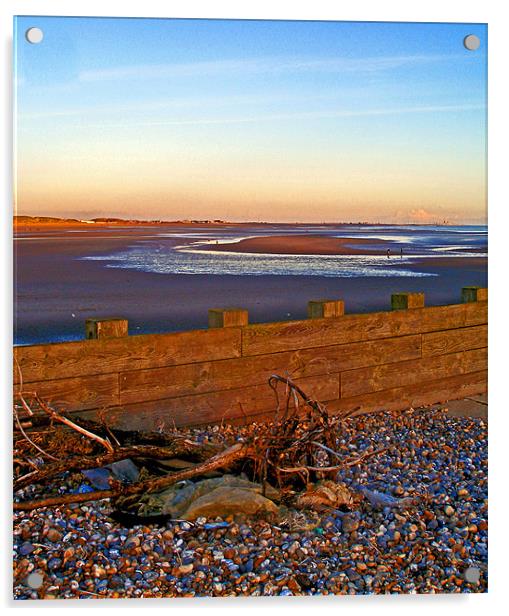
(153, 384)
(228, 317)
(474, 294)
(326, 308)
(78, 393)
(476, 317)
(88, 357)
(258, 406)
(407, 301)
(387, 376)
(454, 340)
(258, 339)
(213, 407)
(436, 392)
(421, 394)
(112, 327)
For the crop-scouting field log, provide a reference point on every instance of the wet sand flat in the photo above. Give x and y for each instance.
(55, 290)
(303, 245)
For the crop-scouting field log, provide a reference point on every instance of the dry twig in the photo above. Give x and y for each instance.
(301, 440)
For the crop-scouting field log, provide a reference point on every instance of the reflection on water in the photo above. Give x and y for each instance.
(191, 256)
(163, 260)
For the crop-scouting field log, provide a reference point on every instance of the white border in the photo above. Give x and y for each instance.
(489, 11)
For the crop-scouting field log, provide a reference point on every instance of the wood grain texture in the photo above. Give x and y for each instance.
(477, 314)
(78, 393)
(142, 385)
(149, 414)
(398, 399)
(407, 301)
(202, 409)
(414, 396)
(388, 376)
(228, 317)
(474, 294)
(69, 359)
(106, 328)
(285, 336)
(387, 359)
(454, 340)
(326, 308)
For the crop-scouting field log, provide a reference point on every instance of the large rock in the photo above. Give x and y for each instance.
(217, 497)
(226, 501)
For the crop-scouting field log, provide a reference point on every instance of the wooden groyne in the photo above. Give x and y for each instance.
(411, 355)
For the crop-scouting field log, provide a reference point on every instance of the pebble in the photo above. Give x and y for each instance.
(437, 546)
(26, 548)
(349, 524)
(54, 535)
(185, 569)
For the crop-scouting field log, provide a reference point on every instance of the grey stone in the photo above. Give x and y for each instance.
(225, 501)
(202, 499)
(98, 477)
(125, 470)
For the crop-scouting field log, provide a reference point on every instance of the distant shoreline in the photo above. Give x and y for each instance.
(46, 223)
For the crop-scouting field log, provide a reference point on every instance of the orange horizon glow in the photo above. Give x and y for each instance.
(288, 122)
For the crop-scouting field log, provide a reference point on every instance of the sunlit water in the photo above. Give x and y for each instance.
(191, 256)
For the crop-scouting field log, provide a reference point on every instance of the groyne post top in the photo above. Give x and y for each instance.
(228, 317)
(325, 308)
(106, 328)
(474, 294)
(404, 301)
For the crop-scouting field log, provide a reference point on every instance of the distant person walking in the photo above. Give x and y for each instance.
(388, 253)
(401, 252)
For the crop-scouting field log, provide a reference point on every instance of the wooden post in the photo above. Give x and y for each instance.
(326, 308)
(106, 328)
(405, 301)
(227, 317)
(474, 294)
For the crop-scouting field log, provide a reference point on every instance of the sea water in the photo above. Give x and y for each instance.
(190, 254)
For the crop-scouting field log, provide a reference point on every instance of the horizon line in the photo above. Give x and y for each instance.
(111, 219)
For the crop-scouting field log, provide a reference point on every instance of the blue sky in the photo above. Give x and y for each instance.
(257, 120)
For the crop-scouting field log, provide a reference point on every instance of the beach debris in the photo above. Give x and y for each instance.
(380, 500)
(219, 497)
(230, 501)
(300, 446)
(84, 488)
(297, 520)
(215, 525)
(325, 494)
(367, 550)
(98, 477)
(124, 470)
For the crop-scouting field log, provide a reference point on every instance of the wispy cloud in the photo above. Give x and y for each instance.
(187, 102)
(311, 115)
(259, 65)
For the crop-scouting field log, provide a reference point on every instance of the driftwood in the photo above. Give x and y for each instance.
(180, 447)
(55, 416)
(300, 442)
(220, 460)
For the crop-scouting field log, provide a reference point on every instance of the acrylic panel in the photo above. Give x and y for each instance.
(250, 308)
